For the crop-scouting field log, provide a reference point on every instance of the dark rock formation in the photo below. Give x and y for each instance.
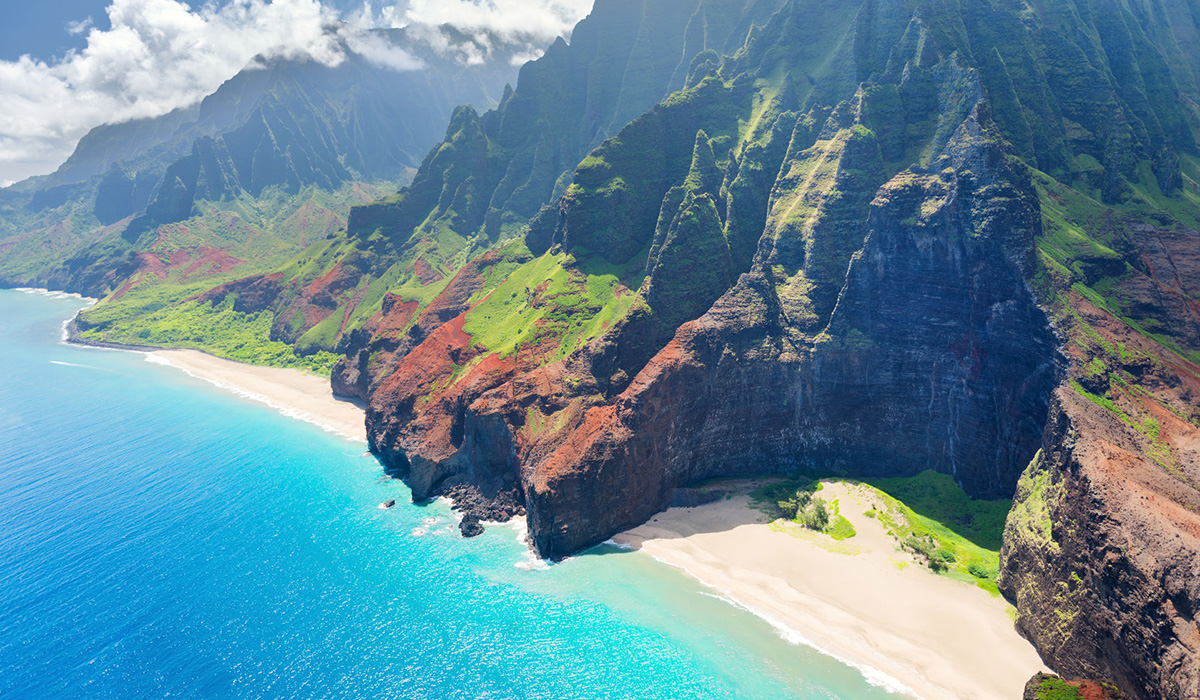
(1102, 551)
(935, 356)
(1044, 686)
(477, 506)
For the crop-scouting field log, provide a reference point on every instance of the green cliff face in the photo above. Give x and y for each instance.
(492, 176)
(284, 141)
(703, 239)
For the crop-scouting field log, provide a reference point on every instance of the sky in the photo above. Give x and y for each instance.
(67, 66)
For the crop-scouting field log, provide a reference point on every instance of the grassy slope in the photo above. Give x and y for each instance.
(928, 515)
(551, 305)
(217, 329)
(272, 232)
(1078, 247)
(1078, 252)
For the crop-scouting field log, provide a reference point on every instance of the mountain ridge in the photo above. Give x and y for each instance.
(861, 239)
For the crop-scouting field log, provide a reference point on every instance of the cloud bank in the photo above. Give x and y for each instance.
(159, 55)
(512, 19)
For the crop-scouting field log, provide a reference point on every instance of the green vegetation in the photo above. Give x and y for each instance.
(549, 307)
(839, 528)
(942, 544)
(928, 515)
(1054, 688)
(797, 502)
(216, 329)
(1030, 514)
(935, 496)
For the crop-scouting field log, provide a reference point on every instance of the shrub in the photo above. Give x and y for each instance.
(814, 516)
(978, 571)
(942, 559)
(785, 499)
(841, 529)
(919, 545)
(1052, 688)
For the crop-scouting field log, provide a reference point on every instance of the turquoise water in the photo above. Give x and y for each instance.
(162, 539)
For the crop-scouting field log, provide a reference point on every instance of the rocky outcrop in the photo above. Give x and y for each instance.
(1045, 686)
(1102, 555)
(1102, 547)
(935, 356)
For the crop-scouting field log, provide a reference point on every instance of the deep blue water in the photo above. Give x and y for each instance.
(160, 538)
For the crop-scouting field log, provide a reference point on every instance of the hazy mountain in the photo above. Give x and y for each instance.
(706, 239)
(283, 125)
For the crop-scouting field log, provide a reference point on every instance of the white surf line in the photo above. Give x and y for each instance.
(874, 676)
(71, 364)
(287, 411)
(529, 560)
(38, 291)
(54, 295)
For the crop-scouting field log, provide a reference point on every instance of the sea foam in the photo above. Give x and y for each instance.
(791, 635)
(287, 411)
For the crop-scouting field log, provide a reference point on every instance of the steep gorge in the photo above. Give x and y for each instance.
(713, 239)
(859, 286)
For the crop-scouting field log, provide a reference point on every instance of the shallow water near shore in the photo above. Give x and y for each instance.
(162, 538)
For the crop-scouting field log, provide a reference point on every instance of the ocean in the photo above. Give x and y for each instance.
(161, 538)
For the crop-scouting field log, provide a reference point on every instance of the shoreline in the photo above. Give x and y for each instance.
(291, 392)
(861, 601)
(722, 545)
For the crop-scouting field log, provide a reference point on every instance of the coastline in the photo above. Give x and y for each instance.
(296, 394)
(861, 600)
(292, 392)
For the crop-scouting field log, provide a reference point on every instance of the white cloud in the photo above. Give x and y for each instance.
(159, 55)
(540, 19)
(531, 54)
(381, 52)
(79, 27)
(525, 27)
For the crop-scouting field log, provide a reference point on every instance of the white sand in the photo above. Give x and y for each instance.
(292, 392)
(861, 600)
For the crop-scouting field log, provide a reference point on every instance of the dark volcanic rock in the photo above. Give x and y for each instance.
(1087, 690)
(494, 507)
(935, 356)
(1102, 553)
(690, 498)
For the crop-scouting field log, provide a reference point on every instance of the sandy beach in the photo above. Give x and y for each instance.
(298, 394)
(861, 599)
